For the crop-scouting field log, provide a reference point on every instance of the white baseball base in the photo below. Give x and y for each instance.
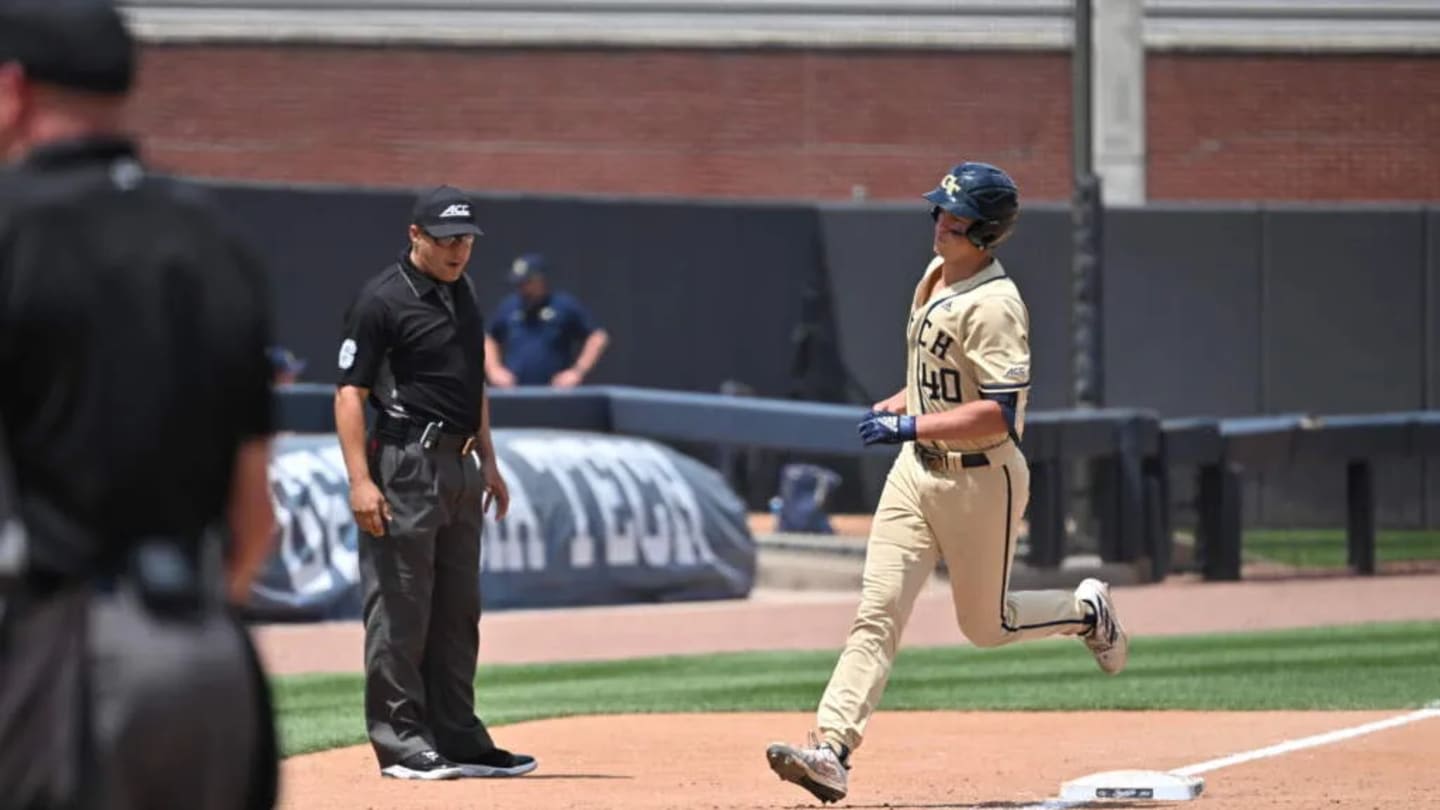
(1156, 785)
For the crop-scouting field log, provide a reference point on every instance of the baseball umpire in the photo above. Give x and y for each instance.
(136, 412)
(414, 347)
(958, 487)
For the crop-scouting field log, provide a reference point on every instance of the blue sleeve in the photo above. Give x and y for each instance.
(1008, 400)
(580, 318)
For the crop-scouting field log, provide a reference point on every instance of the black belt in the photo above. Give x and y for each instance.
(450, 438)
(935, 461)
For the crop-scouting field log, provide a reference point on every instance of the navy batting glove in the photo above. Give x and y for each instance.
(886, 428)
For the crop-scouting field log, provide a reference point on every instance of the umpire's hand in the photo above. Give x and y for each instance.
(495, 491)
(371, 511)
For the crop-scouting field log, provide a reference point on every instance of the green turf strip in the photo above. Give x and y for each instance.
(1377, 666)
(1325, 548)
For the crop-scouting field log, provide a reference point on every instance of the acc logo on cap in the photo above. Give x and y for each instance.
(456, 210)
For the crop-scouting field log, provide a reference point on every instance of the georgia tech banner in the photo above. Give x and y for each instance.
(594, 519)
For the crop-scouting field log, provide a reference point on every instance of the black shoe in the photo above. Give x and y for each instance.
(497, 762)
(426, 765)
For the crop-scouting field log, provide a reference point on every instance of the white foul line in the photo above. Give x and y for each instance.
(1307, 742)
(1431, 710)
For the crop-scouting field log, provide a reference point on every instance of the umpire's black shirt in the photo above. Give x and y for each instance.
(418, 344)
(133, 329)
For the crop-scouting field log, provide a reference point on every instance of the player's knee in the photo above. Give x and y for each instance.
(983, 632)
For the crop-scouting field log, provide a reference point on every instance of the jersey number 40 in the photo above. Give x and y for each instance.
(942, 384)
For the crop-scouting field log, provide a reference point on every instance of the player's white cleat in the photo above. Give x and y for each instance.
(816, 767)
(1107, 639)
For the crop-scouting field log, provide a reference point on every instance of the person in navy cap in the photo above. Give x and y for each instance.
(540, 336)
(288, 367)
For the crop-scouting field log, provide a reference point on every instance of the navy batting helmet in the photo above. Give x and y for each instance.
(983, 194)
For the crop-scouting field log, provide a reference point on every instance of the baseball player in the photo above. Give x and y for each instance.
(959, 486)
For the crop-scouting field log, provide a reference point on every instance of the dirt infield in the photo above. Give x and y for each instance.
(910, 759)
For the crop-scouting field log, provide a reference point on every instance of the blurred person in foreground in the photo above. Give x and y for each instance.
(540, 336)
(135, 417)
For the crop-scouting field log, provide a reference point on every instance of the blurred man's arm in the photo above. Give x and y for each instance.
(251, 517)
(249, 513)
(591, 351)
(589, 355)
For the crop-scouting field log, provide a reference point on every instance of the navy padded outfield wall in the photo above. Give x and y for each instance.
(594, 519)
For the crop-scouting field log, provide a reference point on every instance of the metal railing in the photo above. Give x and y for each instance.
(1268, 25)
(1131, 452)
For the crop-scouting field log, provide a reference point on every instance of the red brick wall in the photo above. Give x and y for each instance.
(1328, 128)
(776, 123)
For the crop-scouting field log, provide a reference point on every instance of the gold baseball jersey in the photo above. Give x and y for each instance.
(963, 341)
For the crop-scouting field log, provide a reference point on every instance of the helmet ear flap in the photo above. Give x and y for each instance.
(982, 233)
(988, 233)
(934, 213)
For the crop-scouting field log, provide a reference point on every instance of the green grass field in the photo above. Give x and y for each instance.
(1378, 666)
(1325, 548)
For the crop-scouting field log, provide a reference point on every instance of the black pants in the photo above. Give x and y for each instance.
(421, 584)
(104, 704)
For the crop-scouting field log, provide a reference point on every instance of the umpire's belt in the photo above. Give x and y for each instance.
(448, 438)
(936, 461)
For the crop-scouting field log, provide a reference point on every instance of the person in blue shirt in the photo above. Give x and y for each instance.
(539, 336)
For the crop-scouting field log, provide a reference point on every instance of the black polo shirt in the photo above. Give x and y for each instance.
(417, 355)
(133, 330)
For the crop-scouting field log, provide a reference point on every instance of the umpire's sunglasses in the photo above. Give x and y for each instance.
(450, 241)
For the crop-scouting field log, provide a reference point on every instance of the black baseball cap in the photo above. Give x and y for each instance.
(79, 44)
(445, 211)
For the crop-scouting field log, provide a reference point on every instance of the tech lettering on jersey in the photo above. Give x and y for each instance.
(940, 344)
